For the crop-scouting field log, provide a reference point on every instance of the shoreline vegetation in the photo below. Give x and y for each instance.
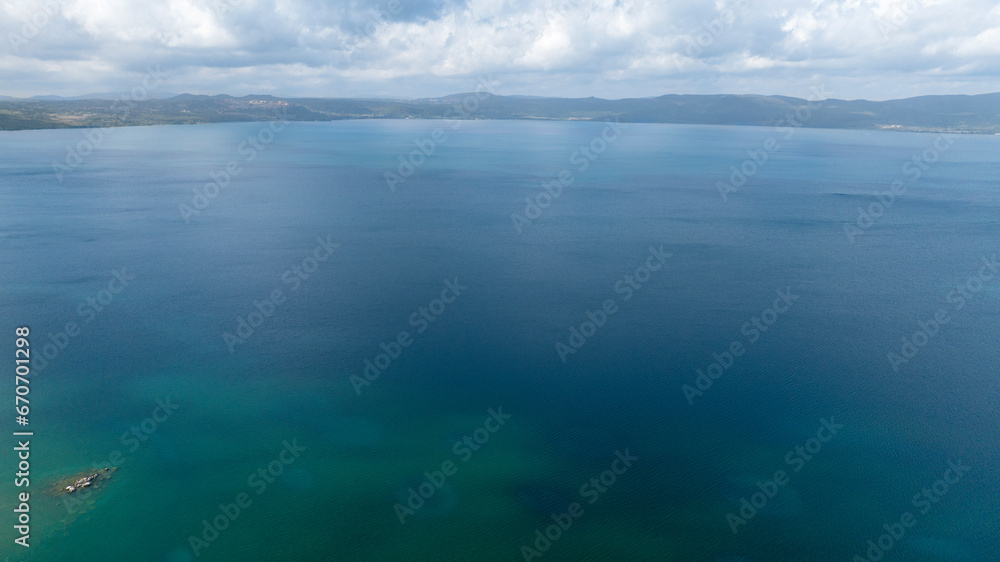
(979, 114)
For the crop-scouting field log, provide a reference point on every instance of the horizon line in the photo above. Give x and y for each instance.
(100, 96)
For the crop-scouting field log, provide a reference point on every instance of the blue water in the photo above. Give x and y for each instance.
(319, 190)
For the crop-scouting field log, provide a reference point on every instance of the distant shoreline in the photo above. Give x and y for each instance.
(528, 119)
(958, 114)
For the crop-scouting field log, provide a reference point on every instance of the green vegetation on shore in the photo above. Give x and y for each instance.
(958, 113)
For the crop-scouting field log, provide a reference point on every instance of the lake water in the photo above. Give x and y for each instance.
(219, 342)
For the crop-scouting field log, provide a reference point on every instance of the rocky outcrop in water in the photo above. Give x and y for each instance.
(83, 480)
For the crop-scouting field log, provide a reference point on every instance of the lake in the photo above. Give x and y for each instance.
(504, 340)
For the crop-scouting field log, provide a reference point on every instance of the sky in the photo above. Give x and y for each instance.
(851, 49)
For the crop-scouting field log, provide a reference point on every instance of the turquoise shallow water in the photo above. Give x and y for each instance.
(494, 345)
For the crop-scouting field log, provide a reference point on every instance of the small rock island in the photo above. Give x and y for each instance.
(83, 480)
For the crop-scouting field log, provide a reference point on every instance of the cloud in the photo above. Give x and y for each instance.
(609, 48)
